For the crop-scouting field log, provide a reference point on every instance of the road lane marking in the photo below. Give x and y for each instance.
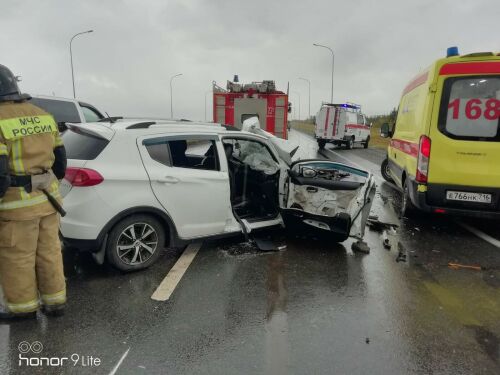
(480, 234)
(174, 276)
(117, 366)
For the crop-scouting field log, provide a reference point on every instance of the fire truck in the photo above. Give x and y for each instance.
(238, 102)
(341, 124)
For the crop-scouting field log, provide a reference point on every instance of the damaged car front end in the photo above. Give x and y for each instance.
(328, 197)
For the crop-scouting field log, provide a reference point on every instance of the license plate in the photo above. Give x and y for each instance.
(468, 197)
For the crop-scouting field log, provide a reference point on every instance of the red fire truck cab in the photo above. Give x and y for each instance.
(257, 99)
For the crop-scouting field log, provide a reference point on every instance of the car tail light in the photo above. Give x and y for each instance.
(83, 177)
(424, 153)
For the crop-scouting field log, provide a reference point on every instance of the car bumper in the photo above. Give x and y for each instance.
(433, 200)
(86, 214)
(92, 246)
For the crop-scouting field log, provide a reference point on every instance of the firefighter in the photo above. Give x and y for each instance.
(32, 160)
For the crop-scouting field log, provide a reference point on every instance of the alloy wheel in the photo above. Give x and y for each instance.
(137, 243)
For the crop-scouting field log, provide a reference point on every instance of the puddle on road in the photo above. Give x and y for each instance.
(488, 341)
(276, 326)
(492, 278)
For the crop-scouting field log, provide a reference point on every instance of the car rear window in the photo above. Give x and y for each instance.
(470, 108)
(82, 146)
(61, 110)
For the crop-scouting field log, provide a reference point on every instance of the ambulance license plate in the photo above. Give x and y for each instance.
(468, 197)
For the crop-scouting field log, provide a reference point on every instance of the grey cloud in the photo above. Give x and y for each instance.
(125, 65)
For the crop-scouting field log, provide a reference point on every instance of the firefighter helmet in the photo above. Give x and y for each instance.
(9, 91)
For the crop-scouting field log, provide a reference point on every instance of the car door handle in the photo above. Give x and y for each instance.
(168, 180)
(311, 189)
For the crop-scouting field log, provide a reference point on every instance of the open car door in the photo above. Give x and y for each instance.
(333, 197)
(329, 196)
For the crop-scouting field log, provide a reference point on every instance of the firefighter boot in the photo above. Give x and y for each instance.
(9, 316)
(54, 310)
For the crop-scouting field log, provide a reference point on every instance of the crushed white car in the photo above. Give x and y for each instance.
(330, 196)
(134, 187)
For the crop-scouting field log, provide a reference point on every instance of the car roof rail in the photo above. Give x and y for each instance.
(141, 125)
(230, 127)
(111, 120)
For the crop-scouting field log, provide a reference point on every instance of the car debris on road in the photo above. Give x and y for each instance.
(385, 240)
(360, 247)
(375, 224)
(457, 266)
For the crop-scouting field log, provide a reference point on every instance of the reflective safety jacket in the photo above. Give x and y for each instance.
(28, 136)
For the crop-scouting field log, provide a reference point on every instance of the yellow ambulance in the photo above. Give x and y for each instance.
(444, 151)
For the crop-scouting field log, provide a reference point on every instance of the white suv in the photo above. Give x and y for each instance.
(66, 110)
(134, 187)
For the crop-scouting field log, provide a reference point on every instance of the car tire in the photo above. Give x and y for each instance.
(127, 250)
(384, 170)
(365, 143)
(350, 143)
(408, 209)
(321, 144)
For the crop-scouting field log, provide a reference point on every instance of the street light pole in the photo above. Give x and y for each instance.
(309, 95)
(333, 63)
(171, 100)
(206, 93)
(298, 94)
(71, 58)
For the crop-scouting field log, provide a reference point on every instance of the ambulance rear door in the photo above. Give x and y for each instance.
(344, 124)
(322, 119)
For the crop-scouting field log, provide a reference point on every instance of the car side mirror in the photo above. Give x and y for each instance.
(62, 126)
(385, 131)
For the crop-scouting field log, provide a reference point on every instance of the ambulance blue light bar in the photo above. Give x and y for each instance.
(353, 106)
(452, 51)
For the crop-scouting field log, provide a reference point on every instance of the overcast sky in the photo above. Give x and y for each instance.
(124, 66)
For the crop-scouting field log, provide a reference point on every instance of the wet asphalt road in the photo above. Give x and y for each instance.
(316, 307)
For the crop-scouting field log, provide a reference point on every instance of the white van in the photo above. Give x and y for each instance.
(341, 124)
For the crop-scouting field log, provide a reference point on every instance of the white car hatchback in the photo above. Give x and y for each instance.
(135, 187)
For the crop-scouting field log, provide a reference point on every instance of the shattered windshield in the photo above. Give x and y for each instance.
(256, 155)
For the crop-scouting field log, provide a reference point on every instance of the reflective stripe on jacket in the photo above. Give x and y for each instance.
(28, 136)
